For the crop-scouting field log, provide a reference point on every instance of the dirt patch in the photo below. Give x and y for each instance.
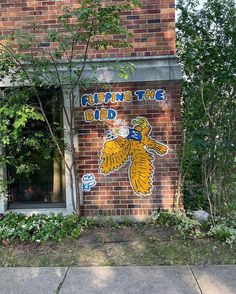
(88, 237)
(159, 233)
(122, 235)
(132, 245)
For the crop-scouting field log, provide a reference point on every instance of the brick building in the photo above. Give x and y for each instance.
(129, 136)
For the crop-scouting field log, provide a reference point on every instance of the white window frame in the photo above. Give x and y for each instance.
(68, 195)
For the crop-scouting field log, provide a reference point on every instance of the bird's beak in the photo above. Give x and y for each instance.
(137, 121)
(134, 121)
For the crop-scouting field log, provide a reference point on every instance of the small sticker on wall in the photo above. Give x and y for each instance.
(88, 182)
(135, 147)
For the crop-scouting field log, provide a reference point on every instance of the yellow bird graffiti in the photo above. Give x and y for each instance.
(133, 145)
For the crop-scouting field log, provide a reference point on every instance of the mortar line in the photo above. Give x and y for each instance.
(58, 290)
(195, 278)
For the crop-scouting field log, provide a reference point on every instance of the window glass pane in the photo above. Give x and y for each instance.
(45, 184)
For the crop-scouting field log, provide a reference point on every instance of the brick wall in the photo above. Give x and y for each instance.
(152, 26)
(113, 194)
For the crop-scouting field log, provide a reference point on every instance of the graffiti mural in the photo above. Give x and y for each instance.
(132, 146)
(88, 182)
(104, 98)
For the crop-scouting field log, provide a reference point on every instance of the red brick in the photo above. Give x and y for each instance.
(153, 29)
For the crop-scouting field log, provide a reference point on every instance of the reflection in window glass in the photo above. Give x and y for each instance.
(46, 183)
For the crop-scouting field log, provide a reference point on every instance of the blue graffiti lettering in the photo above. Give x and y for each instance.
(88, 182)
(140, 94)
(95, 97)
(111, 114)
(119, 97)
(84, 100)
(108, 96)
(160, 95)
(96, 114)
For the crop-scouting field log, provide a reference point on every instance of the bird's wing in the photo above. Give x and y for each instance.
(141, 169)
(158, 147)
(115, 154)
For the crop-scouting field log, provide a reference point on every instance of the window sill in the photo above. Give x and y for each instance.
(36, 205)
(48, 211)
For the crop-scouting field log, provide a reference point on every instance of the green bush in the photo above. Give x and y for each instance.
(56, 227)
(223, 233)
(41, 228)
(224, 228)
(229, 217)
(183, 224)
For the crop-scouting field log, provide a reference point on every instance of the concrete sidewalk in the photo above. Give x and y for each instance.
(113, 280)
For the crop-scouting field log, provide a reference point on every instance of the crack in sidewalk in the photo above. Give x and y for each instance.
(62, 282)
(195, 278)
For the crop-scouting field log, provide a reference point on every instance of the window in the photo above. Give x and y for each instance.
(44, 184)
